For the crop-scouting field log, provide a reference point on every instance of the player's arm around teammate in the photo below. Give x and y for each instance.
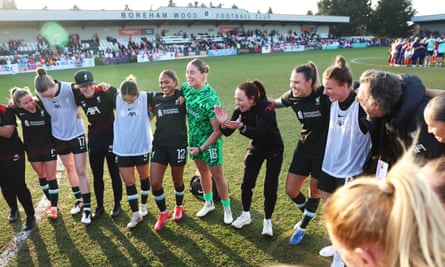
(39, 145)
(98, 102)
(12, 168)
(169, 145)
(311, 107)
(68, 131)
(132, 144)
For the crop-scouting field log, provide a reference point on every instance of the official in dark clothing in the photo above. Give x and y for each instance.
(256, 119)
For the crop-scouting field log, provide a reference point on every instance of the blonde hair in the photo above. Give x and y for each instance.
(400, 216)
(129, 86)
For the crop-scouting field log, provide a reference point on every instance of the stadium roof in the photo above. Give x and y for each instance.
(429, 18)
(189, 14)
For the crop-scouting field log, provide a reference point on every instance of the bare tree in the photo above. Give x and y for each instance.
(9, 4)
(171, 3)
(76, 7)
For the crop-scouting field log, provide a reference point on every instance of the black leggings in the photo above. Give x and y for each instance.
(99, 149)
(252, 165)
(12, 181)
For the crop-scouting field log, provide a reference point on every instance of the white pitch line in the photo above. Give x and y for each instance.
(360, 60)
(17, 242)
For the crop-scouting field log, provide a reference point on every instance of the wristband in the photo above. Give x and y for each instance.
(243, 129)
(199, 150)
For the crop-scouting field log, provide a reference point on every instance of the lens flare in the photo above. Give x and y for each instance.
(54, 34)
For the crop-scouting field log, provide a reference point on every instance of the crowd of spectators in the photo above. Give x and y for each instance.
(182, 44)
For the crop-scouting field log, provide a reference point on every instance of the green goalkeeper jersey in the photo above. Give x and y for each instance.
(200, 110)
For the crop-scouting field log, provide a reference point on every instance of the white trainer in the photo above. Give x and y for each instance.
(208, 207)
(267, 227)
(77, 207)
(337, 261)
(228, 218)
(327, 251)
(86, 217)
(137, 218)
(242, 220)
(143, 210)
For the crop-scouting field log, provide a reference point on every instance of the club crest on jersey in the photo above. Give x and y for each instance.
(419, 148)
(300, 115)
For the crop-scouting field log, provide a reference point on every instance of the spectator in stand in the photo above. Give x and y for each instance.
(96, 38)
(98, 107)
(39, 145)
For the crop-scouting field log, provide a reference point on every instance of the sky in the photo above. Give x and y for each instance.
(296, 7)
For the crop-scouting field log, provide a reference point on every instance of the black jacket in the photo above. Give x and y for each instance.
(261, 127)
(400, 129)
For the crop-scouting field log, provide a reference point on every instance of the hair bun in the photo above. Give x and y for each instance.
(41, 71)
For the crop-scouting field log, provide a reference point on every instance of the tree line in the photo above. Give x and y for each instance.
(387, 19)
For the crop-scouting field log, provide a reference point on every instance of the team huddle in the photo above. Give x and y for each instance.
(348, 130)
